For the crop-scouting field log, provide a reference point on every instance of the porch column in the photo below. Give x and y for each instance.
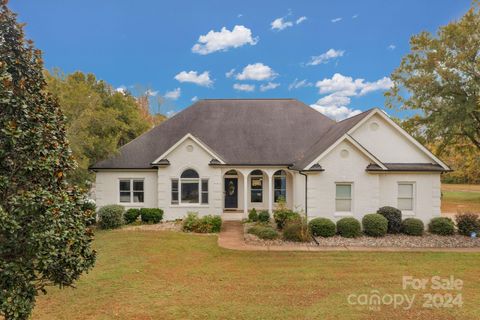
(245, 194)
(270, 193)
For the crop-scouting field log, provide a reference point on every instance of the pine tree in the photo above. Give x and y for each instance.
(44, 238)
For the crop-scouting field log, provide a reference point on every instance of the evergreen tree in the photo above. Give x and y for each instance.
(44, 239)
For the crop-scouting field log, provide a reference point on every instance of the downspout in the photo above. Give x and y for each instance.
(306, 189)
(306, 203)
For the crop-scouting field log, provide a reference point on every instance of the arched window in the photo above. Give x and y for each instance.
(256, 186)
(280, 185)
(189, 188)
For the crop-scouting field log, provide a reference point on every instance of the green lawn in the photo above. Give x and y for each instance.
(460, 198)
(167, 275)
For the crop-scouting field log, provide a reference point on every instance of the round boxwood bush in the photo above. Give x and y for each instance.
(263, 216)
(322, 227)
(467, 223)
(131, 215)
(297, 231)
(413, 227)
(375, 225)
(151, 215)
(264, 232)
(111, 216)
(442, 226)
(252, 215)
(394, 217)
(349, 227)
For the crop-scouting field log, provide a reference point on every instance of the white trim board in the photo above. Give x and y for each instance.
(402, 131)
(197, 141)
(355, 144)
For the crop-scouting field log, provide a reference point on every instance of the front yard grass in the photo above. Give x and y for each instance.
(169, 275)
(460, 197)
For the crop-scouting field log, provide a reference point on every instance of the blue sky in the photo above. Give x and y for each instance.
(314, 51)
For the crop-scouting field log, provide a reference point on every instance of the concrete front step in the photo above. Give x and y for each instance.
(232, 216)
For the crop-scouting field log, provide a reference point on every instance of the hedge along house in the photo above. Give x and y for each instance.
(225, 157)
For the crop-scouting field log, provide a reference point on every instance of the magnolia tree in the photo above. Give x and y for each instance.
(44, 238)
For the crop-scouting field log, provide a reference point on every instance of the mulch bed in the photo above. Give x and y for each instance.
(162, 226)
(390, 240)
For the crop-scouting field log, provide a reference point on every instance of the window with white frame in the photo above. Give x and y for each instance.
(343, 197)
(189, 189)
(280, 186)
(256, 186)
(405, 196)
(131, 191)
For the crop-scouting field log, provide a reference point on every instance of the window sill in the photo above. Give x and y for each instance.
(132, 204)
(343, 214)
(189, 205)
(408, 213)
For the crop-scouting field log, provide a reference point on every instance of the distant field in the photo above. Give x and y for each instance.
(460, 197)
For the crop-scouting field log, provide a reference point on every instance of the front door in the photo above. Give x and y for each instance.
(231, 193)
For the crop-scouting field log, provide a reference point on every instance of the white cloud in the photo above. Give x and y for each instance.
(339, 89)
(121, 89)
(224, 39)
(301, 19)
(279, 24)
(381, 84)
(347, 86)
(355, 16)
(244, 87)
(336, 20)
(299, 84)
(256, 71)
(202, 79)
(336, 112)
(151, 93)
(269, 86)
(325, 57)
(391, 47)
(194, 99)
(230, 73)
(173, 95)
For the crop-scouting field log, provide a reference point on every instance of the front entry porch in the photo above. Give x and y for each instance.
(262, 189)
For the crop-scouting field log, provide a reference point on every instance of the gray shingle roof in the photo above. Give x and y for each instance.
(282, 132)
(240, 131)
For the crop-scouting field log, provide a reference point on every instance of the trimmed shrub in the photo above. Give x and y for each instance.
(442, 226)
(263, 216)
(191, 222)
(467, 223)
(111, 216)
(131, 215)
(151, 215)
(349, 227)
(322, 227)
(413, 227)
(210, 224)
(375, 225)
(282, 216)
(253, 215)
(394, 217)
(206, 224)
(263, 232)
(296, 230)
